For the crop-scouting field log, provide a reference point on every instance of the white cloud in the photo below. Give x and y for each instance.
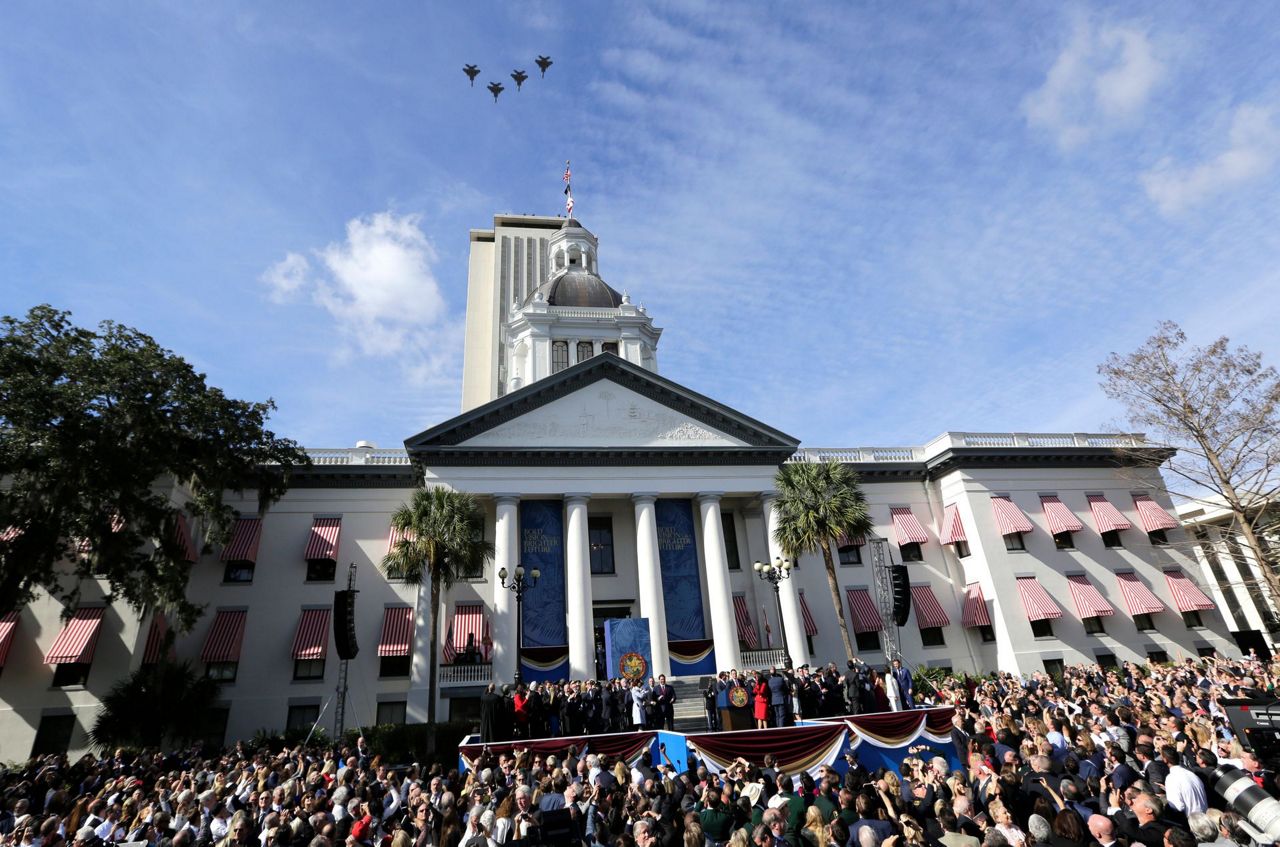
(1252, 149)
(286, 277)
(1103, 77)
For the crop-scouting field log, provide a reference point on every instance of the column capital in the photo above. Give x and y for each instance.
(576, 496)
(709, 497)
(506, 499)
(644, 497)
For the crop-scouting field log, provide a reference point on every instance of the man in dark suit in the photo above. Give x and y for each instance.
(959, 738)
(906, 689)
(490, 713)
(778, 696)
(666, 697)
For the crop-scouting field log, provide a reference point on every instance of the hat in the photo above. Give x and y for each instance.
(752, 792)
(1039, 827)
(206, 796)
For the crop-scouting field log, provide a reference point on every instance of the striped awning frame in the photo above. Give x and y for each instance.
(76, 643)
(1037, 603)
(1187, 596)
(8, 626)
(866, 617)
(1152, 516)
(907, 526)
(311, 640)
(1009, 518)
(182, 533)
(952, 526)
(1138, 598)
(156, 633)
(975, 611)
(322, 544)
(1089, 600)
(810, 625)
(226, 634)
(243, 546)
(929, 612)
(1105, 515)
(395, 536)
(397, 631)
(844, 540)
(1058, 516)
(746, 629)
(468, 624)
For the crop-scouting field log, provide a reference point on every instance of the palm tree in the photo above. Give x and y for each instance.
(441, 537)
(819, 501)
(159, 703)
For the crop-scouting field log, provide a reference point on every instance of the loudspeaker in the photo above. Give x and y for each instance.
(344, 624)
(901, 594)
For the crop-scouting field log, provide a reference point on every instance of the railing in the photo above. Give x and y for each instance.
(357, 456)
(857, 454)
(465, 674)
(583, 312)
(763, 659)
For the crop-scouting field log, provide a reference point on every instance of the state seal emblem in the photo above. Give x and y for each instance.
(738, 697)
(632, 666)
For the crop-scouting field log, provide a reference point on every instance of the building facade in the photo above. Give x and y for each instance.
(635, 497)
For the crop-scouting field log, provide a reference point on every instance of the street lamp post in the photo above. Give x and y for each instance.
(519, 583)
(774, 573)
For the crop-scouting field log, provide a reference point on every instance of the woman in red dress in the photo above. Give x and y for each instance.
(520, 712)
(762, 703)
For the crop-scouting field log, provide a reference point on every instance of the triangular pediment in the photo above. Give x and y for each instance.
(604, 409)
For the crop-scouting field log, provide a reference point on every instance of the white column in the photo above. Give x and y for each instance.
(582, 653)
(506, 549)
(650, 581)
(788, 597)
(724, 629)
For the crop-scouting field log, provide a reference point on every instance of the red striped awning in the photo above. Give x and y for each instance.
(1187, 596)
(746, 629)
(8, 626)
(1089, 600)
(929, 612)
(182, 533)
(322, 546)
(1059, 517)
(311, 641)
(75, 644)
(866, 617)
(226, 633)
(810, 626)
(397, 631)
(1036, 601)
(1137, 597)
(1152, 516)
(1107, 517)
(10, 533)
(469, 628)
(845, 540)
(952, 526)
(395, 536)
(1009, 518)
(155, 638)
(243, 546)
(975, 611)
(907, 526)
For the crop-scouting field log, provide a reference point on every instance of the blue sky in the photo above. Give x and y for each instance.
(862, 225)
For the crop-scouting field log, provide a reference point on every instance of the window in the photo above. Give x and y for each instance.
(730, 540)
(308, 669)
(1157, 656)
(988, 633)
(238, 572)
(320, 570)
(54, 734)
(911, 552)
(1205, 651)
(809, 641)
(392, 666)
(867, 641)
(301, 717)
(1143, 622)
(1158, 538)
(1111, 539)
(850, 555)
(600, 538)
(1192, 619)
(1106, 660)
(70, 673)
(609, 347)
(1094, 626)
(1064, 541)
(214, 731)
(222, 671)
(559, 356)
(1054, 667)
(931, 636)
(585, 350)
(962, 549)
(1013, 541)
(391, 711)
(1042, 628)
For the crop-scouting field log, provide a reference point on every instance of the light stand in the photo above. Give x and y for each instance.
(519, 584)
(774, 573)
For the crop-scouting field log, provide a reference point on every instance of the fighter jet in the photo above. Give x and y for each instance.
(472, 72)
(495, 88)
(519, 77)
(544, 62)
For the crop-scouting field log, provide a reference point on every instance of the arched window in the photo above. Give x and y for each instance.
(559, 258)
(609, 347)
(585, 350)
(575, 256)
(559, 356)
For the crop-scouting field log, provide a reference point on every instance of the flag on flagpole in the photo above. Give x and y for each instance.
(768, 630)
(449, 653)
(568, 189)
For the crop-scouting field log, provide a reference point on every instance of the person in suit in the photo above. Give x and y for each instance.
(902, 677)
(490, 711)
(778, 696)
(1141, 824)
(639, 698)
(951, 835)
(666, 696)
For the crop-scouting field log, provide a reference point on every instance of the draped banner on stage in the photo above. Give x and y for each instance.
(692, 658)
(628, 746)
(542, 547)
(796, 748)
(678, 557)
(626, 643)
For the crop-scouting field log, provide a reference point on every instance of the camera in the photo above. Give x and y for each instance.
(1259, 809)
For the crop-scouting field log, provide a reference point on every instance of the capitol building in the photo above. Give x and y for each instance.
(635, 497)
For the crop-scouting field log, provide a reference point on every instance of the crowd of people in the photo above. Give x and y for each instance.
(1095, 758)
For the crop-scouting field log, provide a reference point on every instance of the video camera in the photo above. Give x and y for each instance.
(1256, 722)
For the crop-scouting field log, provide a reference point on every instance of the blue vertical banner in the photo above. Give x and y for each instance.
(678, 557)
(542, 547)
(624, 640)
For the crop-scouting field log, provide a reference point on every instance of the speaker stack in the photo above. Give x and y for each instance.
(901, 594)
(344, 624)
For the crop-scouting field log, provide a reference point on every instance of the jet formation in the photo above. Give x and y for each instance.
(496, 88)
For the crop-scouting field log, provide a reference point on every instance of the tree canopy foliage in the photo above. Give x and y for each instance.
(156, 704)
(106, 438)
